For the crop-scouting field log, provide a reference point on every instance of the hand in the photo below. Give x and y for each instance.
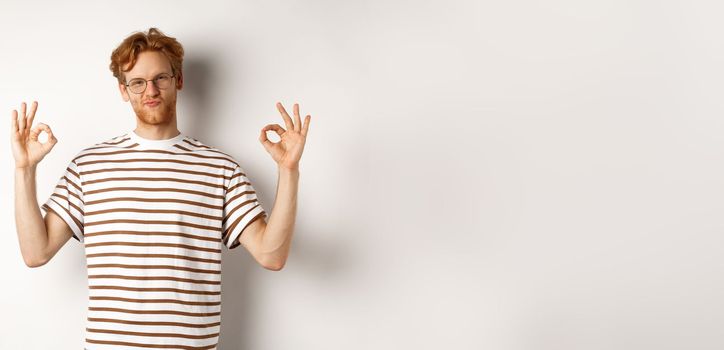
(288, 151)
(27, 150)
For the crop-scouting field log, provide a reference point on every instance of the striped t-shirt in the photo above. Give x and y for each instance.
(153, 215)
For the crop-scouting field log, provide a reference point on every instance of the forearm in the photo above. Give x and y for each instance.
(29, 222)
(277, 237)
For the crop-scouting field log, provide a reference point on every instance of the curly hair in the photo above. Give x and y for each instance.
(152, 40)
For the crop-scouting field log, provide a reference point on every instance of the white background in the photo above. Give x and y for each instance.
(477, 175)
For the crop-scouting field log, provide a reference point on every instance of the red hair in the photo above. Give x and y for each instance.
(152, 40)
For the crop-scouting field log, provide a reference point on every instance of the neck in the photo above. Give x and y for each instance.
(157, 132)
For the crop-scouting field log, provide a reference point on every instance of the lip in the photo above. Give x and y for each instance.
(152, 103)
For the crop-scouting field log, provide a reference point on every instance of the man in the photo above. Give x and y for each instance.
(153, 207)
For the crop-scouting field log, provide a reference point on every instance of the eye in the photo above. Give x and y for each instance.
(163, 77)
(136, 83)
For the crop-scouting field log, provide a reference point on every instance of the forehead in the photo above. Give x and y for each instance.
(148, 64)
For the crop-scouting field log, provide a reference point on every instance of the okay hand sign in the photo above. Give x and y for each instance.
(27, 150)
(288, 150)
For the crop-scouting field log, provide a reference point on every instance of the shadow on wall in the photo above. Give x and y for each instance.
(200, 78)
(324, 261)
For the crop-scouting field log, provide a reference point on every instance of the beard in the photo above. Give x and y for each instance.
(164, 113)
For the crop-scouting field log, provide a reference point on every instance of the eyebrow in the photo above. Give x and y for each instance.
(154, 77)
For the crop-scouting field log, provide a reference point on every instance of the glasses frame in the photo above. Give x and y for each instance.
(145, 83)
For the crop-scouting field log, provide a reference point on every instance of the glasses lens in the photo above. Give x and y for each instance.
(163, 81)
(137, 85)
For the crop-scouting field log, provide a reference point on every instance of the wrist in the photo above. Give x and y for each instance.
(25, 169)
(294, 170)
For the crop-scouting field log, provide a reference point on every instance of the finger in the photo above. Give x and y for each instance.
(35, 132)
(13, 122)
(305, 129)
(297, 118)
(276, 128)
(264, 140)
(48, 145)
(44, 127)
(51, 136)
(33, 108)
(287, 119)
(22, 118)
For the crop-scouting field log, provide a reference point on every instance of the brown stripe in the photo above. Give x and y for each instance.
(205, 147)
(159, 211)
(197, 145)
(67, 200)
(176, 290)
(65, 189)
(144, 334)
(95, 147)
(172, 170)
(154, 222)
(133, 160)
(154, 200)
(242, 205)
(150, 189)
(238, 185)
(156, 312)
(172, 301)
(142, 323)
(138, 244)
(168, 179)
(129, 150)
(183, 148)
(236, 241)
(154, 233)
(68, 180)
(115, 143)
(239, 174)
(225, 156)
(68, 169)
(47, 207)
(156, 278)
(155, 346)
(77, 222)
(227, 233)
(169, 256)
(228, 202)
(168, 267)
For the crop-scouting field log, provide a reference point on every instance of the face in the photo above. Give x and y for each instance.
(149, 65)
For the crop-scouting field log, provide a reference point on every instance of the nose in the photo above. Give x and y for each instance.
(151, 88)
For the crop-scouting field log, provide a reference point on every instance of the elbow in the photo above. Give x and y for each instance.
(32, 263)
(274, 265)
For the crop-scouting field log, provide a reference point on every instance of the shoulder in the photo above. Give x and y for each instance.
(191, 144)
(104, 145)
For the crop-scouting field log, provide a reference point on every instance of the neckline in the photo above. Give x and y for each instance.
(144, 143)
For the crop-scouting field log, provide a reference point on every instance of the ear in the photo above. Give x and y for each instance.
(124, 92)
(180, 81)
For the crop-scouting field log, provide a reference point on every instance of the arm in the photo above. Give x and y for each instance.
(269, 243)
(40, 238)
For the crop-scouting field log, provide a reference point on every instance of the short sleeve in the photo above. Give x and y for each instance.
(241, 207)
(67, 200)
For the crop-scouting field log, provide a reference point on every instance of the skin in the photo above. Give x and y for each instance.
(268, 242)
(153, 122)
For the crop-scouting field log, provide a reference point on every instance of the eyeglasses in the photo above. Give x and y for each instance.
(138, 85)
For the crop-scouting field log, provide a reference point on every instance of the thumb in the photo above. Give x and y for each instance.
(268, 145)
(48, 145)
